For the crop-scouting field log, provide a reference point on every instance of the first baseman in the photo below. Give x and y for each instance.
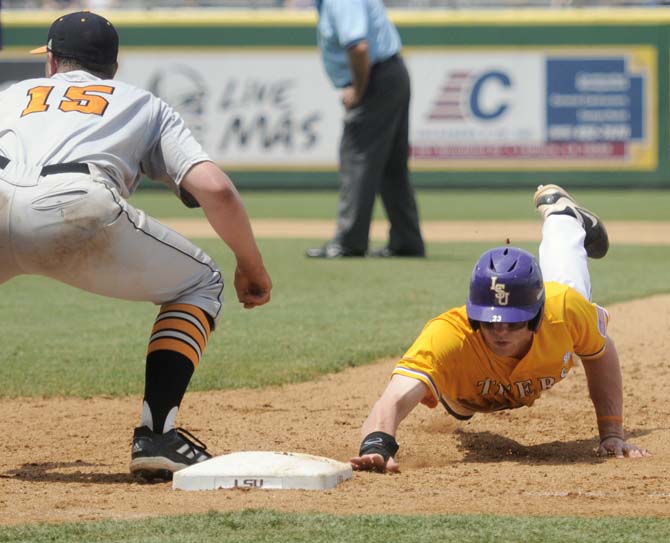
(517, 336)
(73, 147)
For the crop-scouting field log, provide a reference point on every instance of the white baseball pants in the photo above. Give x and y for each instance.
(79, 231)
(562, 255)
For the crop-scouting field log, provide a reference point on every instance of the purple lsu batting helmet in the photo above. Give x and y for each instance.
(506, 286)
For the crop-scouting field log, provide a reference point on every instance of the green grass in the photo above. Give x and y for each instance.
(324, 316)
(271, 527)
(433, 204)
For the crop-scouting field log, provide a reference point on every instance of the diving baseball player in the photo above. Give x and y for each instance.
(73, 147)
(516, 337)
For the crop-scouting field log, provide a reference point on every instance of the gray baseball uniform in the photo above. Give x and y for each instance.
(73, 147)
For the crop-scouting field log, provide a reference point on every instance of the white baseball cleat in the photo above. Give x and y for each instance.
(554, 200)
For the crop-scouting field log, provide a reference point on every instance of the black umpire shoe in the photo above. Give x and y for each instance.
(554, 200)
(332, 250)
(158, 456)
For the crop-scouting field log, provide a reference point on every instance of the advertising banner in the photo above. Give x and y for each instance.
(525, 109)
(253, 109)
(473, 109)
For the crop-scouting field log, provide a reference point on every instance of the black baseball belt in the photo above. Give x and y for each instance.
(51, 169)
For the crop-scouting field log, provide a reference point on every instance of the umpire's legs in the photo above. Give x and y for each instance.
(397, 193)
(362, 155)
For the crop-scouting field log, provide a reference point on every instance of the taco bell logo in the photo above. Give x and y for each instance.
(502, 297)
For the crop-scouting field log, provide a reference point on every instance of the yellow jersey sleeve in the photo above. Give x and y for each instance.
(587, 323)
(439, 341)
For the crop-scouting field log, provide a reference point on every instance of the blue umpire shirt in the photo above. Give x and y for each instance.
(344, 23)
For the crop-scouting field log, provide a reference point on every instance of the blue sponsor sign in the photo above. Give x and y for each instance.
(594, 100)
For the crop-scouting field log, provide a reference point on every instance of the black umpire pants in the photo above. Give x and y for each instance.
(374, 150)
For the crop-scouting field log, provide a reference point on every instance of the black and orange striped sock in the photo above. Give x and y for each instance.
(178, 339)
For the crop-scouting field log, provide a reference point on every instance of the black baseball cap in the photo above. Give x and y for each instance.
(82, 36)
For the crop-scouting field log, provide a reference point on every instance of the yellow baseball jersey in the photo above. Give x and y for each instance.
(462, 373)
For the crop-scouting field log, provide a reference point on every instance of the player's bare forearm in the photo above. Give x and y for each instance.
(400, 397)
(225, 211)
(606, 389)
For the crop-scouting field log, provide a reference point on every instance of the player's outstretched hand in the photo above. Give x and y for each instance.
(253, 286)
(617, 447)
(374, 462)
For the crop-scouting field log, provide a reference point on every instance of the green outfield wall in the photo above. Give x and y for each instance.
(498, 98)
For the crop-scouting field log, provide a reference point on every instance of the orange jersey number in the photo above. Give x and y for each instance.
(75, 99)
(38, 100)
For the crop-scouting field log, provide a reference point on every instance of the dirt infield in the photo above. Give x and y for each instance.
(623, 232)
(66, 460)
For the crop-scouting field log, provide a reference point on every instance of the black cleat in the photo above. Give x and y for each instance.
(554, 200)
(158, 456)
